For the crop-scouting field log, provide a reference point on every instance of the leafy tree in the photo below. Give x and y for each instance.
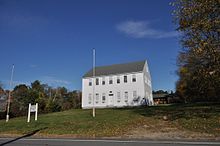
(48, 98)
(199, 61)
(72, 100)
(36, 86)
(160, 92)
(1, 86)
(20, 96)
(38, 95)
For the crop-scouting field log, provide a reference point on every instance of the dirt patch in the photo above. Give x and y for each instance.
(161, 129)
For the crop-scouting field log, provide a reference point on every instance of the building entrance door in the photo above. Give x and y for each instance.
(110, 99)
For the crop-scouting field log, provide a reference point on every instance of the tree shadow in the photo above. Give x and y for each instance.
(24, 136)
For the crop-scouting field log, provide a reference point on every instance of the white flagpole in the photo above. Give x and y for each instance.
(9, 94)
(93, 109)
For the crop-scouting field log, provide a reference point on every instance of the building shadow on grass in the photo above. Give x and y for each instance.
(24, 136)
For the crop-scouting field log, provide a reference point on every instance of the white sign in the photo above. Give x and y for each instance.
(32, 108)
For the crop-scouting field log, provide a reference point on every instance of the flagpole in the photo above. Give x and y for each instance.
(9, 94)
(93, 109)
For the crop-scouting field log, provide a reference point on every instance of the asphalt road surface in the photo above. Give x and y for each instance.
(81, 142)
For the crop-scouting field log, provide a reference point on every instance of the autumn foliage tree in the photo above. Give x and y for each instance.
(199, 61)
(49, 99)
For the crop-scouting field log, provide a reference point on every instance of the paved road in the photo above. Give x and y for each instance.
(80, 142)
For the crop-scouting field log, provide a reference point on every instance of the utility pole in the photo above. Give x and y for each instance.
(9, 94)
(93, 109)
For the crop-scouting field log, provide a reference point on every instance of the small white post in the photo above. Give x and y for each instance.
(29, 113)
(36, 111)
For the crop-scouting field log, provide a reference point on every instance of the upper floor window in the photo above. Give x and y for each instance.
(118, 80)
(133, 78)
(97, 81)
(125, 79)
(103, 81)
(90, 82)
(126, 96)
(110, 80)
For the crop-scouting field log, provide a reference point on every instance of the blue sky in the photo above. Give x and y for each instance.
(52, 40)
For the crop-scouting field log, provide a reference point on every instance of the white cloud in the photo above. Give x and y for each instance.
(142, 29)
(54, 81)
(50, 80)
(6, 83)
(33, 66)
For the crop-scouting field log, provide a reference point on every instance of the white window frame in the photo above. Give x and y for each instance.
(118, 96)
(125, 77)
(126, 96)
(97, 81)
(134, 78)
(118, 79)
(103, 99)
(90, 98)
(97, 98)
(103, 81)
(110, 80)
(90, 82)
(135, 94)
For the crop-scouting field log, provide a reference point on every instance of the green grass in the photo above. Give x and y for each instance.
(108, 122)
(203, 118)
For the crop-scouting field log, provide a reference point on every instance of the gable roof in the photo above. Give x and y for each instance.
(117, 69)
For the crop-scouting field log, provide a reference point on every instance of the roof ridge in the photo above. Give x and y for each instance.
(136, 66)
(122, 63)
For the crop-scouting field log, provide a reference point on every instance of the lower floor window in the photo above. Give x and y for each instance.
(135, 94)
(103, 98)
(90, 99)
(97, 98)
(118, 97)
(126, 96)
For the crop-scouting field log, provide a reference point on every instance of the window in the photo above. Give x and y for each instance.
(110, 93)
(97, 81)
(103, 98)
(118, 80)
(97, 97)
(110, 80)
(118, 97)
(135, 94)
(133, 78)
(90, 99)
(103, 81)
(125, 79)
(126, 96)
(90, 82)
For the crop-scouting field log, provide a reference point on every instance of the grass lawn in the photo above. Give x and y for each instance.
(202, 118)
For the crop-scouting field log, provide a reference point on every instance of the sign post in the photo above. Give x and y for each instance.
(32, 108)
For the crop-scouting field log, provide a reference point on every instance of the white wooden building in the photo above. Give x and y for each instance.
(117, 85)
